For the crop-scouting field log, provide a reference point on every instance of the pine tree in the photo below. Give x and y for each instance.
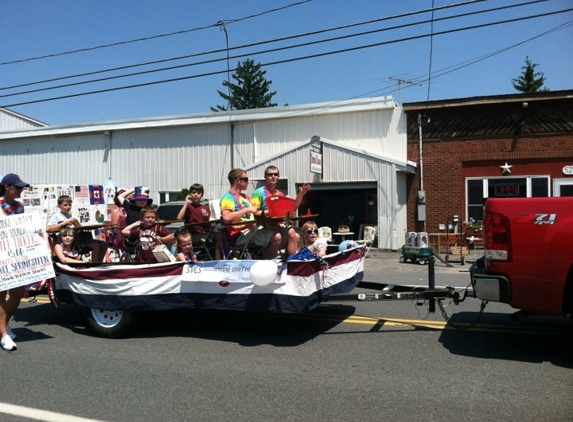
(529, 81)
(251, 89)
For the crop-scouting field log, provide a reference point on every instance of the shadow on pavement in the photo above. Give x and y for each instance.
(536, 339)
(244, 328)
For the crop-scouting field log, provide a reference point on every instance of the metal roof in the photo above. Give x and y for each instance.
(306, 110)
(10, 120)
(504, 116)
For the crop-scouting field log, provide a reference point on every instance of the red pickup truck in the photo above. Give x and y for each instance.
(528, 261)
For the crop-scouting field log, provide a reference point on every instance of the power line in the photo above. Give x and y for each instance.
(442, 72)
(271, 50)
(430, 60)
(292, 59)
(290, 37)
(152, 37)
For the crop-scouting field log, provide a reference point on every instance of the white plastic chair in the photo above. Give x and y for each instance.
(215, 209)
(326, 233)
(369, 235)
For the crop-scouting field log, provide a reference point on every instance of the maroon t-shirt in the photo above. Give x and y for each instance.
(146, 241)
(196, 214)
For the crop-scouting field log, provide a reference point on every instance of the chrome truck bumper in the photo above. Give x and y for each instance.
(494, 288)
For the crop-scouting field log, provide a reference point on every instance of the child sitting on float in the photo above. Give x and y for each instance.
(147, 233)
(67, 250)
(184, 247)
(309, 239)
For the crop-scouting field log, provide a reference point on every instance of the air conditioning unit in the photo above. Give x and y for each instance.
(422, 240)
(411, 238)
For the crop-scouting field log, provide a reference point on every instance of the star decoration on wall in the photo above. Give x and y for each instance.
(506, 168)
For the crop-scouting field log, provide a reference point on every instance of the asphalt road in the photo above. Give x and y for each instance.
(346, 361)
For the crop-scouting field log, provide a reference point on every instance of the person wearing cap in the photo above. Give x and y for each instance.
(11, 187)
(139, 199)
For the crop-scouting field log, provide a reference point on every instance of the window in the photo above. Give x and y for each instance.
(539, 186)
(477, 190)
(475, 199)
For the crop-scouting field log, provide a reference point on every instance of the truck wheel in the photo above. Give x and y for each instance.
(422, 262)
(402, 260)
(110, 324)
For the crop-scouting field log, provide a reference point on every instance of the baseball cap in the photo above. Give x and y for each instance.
(13, 179)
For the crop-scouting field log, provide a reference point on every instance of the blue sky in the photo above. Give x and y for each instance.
(35, 28)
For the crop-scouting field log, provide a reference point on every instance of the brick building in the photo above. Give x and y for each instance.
(474, 148)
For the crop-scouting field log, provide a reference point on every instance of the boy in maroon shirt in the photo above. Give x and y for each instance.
(147, 233)
(194, 212)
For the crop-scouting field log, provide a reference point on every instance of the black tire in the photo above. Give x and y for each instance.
(110, 324)
(401, 260)
(422, 261)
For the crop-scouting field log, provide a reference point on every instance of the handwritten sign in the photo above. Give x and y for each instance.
(24, 255)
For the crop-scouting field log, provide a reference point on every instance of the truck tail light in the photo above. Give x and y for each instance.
(497, 236)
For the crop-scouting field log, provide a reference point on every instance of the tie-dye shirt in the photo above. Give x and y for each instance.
(232, 202)
(262, 193)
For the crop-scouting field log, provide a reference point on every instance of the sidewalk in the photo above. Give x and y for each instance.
(390, 260)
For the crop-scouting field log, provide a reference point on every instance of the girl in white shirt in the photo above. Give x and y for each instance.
(309, 238)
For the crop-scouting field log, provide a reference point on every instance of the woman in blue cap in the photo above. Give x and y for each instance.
(10, 189)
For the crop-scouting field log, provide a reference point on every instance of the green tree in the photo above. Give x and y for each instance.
(251, 89)
(182, 195)
(529, 81)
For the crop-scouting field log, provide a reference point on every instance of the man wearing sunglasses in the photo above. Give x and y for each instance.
(272, 176)
(238, 214)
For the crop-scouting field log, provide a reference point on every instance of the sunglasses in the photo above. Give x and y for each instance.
(18, 187)
(243, 179)
(272, 174)
(311, 231)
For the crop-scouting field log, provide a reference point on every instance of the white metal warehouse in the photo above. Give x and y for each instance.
(358, 177)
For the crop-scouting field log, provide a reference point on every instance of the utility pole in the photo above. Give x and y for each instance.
(400, 82)
(223, 27)
(421, 192)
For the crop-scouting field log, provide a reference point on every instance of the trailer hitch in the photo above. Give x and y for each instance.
(397, 292)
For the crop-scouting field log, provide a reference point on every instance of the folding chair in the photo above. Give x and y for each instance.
(205, 247)
(243, 251)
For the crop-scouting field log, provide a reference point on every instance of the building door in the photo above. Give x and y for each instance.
(562, 187)
(351, 204)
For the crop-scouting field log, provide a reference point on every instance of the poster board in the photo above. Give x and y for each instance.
(24, 254)
(92, 204)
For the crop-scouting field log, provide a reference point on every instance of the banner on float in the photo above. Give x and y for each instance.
(231, 271)
(24, 255)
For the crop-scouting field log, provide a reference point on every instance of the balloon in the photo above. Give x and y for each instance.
(347, 244)
(110, 182)
(263, 272)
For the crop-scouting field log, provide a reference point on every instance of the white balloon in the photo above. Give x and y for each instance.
(263, 272)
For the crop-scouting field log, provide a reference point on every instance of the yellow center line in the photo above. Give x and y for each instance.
(395, 322)
(443, 325)
(415, 323)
